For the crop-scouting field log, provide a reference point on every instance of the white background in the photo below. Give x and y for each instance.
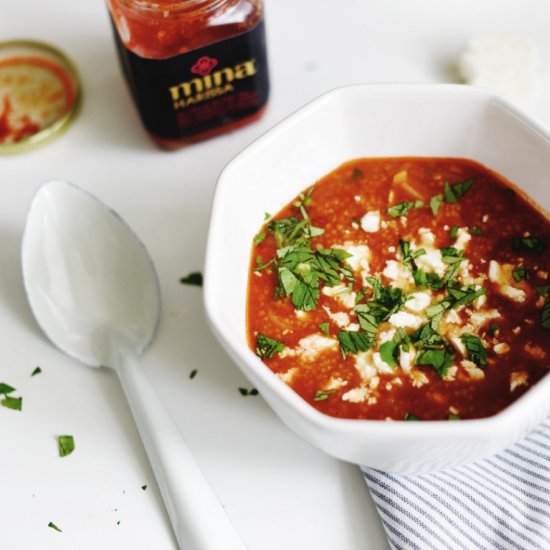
(279, 491)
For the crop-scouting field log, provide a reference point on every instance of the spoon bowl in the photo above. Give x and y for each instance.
(94, 291)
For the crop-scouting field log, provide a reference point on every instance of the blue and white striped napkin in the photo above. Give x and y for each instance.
(502, 502)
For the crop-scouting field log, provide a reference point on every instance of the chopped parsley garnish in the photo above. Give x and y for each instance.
(6, 388)
(245, 391)
(451, 194)
(193, 373)
(267, 347)
(545, 315)
(433, 349)
(541, 290)
(356, 173)
(389, 351)
(520, 273)
(300, 271)
(493, 329)
(409, 416)
(528, 244)
(475, 349)
(321, 395)
(384, 302)
(409, 256)
(453, 416)
(259, 237)
(324, 327)
(454, 231)
(53, 526)
(194, 278)
(403, 208)
(435, 204)
(476, 231)
(456, 297)
(144, 487)
(354, 341)
(14, 403)
(65, 445)
(36, 371)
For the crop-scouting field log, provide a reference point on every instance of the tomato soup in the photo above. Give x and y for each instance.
(404, 289)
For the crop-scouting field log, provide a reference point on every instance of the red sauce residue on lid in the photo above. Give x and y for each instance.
(34, 93)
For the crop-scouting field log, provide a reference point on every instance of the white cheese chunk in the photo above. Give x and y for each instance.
(513, 293)
(403, 319)
(360, 256)
(310, 347)
(452, 317)
(341, 293)
(480, 318)
(340, 318)
(357, 395)
(288, 376)
(406, 359)
(472, 369)
(463, 237)
(432, 262)
(418, 301)
(370, 222)
(426, 236)
(458, 344)
(364, 366)
(418, 378)
(398, 274)
(501, 348)
(380, 364)
(518, 378)
(335, 383)
(386, 335)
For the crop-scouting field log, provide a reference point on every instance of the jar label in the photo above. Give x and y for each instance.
(199, 90)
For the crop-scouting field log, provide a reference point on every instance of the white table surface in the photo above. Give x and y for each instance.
(279, 491)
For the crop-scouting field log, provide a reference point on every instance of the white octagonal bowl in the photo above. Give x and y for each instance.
(369, 121)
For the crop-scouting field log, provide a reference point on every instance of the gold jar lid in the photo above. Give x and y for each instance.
(40, 94)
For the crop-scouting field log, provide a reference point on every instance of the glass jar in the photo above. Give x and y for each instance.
(196, 68)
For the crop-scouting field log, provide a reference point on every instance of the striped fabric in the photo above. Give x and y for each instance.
(502, 502)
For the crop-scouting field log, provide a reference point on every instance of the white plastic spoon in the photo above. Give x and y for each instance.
(94, 291)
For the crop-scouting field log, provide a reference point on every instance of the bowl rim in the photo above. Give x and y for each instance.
(255, 368)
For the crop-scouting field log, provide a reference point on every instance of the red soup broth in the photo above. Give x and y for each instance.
(403, 289)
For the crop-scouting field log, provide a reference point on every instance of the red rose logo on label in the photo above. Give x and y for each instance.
(204, 65)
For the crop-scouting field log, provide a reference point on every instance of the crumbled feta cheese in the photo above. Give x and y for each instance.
(432, 262)
(452, 317)
(406, 359)
(515, 294)
(397, 273)
(472, 369)
(353, 327)
(403, 319)
(463, 237)
(542, 274)
(374, 382)
(485, 218)
(419, 378)
(364, 366)
(426, 236)
(300, 314)
(288, 375)
(386, 336)
(357, 395)
(391, 249)
(518, 378)
(370, 222)
(450, 375)
(516, 330)
(380, 364)
(340, 318)
(418, 301)
(360, 256)
(341, 293)
(494, 272)
(501, 348)
(458, 344)
(310, 347)
(335, 383)
(480, 318)
(357, 198)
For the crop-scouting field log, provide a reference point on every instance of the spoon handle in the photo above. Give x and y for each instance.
(198, 519)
